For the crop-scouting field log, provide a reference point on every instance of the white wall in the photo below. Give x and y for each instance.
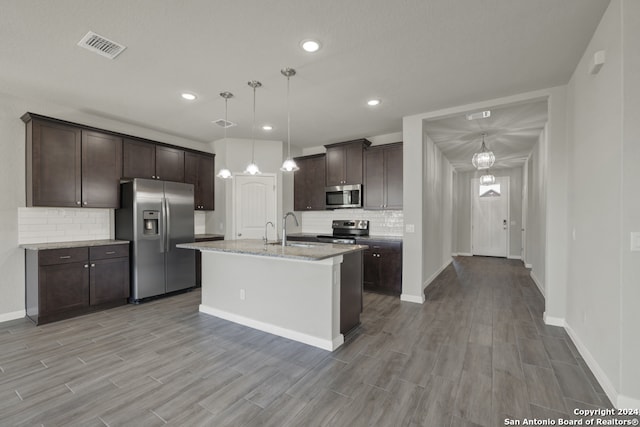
(462, 210)
(535, 228)
(12, 183)
(602, 291)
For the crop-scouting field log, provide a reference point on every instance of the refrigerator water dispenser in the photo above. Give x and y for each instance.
(150, 219)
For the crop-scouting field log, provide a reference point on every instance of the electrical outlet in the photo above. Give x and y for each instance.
(410, 228)
(242, 294)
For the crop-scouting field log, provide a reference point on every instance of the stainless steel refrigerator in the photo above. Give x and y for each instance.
(155, 216)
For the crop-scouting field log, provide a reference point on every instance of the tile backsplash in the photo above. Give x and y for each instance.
(381, 223)
(43, 225)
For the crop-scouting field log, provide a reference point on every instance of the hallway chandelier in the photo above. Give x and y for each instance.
(487, 179)
(225, 173)
(252, 168)
(289, 164)
(484, 159)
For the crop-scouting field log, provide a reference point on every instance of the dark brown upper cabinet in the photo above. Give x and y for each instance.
(143, 159)
(344, 162)
(308, 183)
(199, 170)
(383, 177)
(71, 167)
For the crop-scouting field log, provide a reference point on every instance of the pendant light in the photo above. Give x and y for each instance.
(289, 165)
(252, 168)
(487, 179)
(484, 159)
(225, 173)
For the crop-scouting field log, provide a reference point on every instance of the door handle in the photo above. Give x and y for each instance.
(239, 234)
(504, 224)
(168, 224)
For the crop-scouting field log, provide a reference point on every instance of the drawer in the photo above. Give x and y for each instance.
(110, 251)
(62, 256)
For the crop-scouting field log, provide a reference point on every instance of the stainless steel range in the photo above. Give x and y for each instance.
(345, 231)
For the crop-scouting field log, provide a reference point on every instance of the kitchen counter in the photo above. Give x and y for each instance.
(73, 244)
(315, 251)
(310, 294)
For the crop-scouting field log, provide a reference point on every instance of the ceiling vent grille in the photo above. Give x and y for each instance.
(224, 123)
(101, 45)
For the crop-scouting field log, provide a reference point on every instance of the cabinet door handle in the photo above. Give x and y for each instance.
(77, 202)
(110, 252)
(157, 177)
(153, 177)
(85, 203)
(65, 257)
(86, 266)
(93, 265)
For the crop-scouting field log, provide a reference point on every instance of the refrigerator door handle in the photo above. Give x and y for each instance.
(163, 225)
(167, 234)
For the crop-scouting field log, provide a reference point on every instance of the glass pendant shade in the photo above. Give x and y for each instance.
(225, 173)
(289, 165)
(487, 179)
(252, 168)
(484, 159)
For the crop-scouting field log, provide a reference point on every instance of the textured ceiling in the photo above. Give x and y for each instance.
(511, 132)
(415, 55)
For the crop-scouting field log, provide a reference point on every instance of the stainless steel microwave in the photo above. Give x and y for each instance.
(343, 196)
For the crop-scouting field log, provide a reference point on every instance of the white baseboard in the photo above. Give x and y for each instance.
(418, 299)
(465, 254)
(553, 321)
(454, 254)
(514, 257)
(526, 265)
(276, 330)
(538, 283)
(434, 275)
(598, 372)
(5, 317)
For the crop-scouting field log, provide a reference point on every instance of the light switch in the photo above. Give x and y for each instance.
(635, 241)
(410, 228)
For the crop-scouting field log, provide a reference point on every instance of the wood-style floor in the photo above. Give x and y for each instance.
(475, 353)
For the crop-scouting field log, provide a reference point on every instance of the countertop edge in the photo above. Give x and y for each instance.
(71, 244)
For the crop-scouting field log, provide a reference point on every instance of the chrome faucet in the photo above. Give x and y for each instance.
(265, 231)
(284, 226)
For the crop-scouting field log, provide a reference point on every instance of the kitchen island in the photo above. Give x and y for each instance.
(307, 292)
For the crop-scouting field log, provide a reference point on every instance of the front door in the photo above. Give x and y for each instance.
(254, 205)
(490, 217)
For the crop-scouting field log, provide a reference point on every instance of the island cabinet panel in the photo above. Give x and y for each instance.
(199, 171)
(383, 177)
(382, 266)
(142, 159)
(53, 164)
(63, 283)
(309, 183)
(199, 257)
(71, 167)
(101, 169)
(344, 162)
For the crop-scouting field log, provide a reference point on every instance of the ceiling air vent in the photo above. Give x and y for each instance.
(101, 45)
(224, 123)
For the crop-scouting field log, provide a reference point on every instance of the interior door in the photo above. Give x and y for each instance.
(254, 205)
(490, 217)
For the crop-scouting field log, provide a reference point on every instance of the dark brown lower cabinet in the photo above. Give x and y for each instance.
(63, 283)
(199, 257)
(382, 266)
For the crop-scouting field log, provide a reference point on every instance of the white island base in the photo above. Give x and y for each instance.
(293, 298)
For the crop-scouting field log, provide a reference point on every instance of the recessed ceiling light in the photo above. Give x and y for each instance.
(188, 96)
(373, 102)
(310, 45)
(267, 127)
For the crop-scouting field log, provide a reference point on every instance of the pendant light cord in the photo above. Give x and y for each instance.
(288, 119)
(253, 128)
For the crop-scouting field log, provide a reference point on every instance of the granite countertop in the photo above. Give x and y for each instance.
(313, 252)
(73, 244)
(208, 236)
